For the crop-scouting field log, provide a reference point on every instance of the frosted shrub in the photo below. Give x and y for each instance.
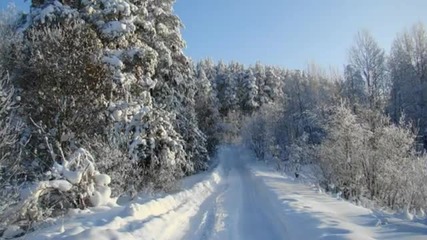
(10, 128)
(255, 136)
(8, 96)
(79, 170)
(75, 183)
(299, 153)
(368, 156)
(261, 133)
(113, 160)
(341, 154)
(10, 124)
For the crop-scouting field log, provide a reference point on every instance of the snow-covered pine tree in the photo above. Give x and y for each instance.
(210, 70)
(249, 91)
(234, 77)
(151, 75)
(207, 109)
(273, 84)
(221, 83)
(176, 88)
(260, 75)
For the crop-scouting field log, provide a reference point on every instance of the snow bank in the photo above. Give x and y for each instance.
(162, 218)
(12, 232)
(300, 203)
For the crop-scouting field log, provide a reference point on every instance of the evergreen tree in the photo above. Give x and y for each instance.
(272, 87)
(207, 110)
(260, 76)
(249, 91)
(222, 83)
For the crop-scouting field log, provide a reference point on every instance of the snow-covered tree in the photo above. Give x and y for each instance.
(342, 154)
(60, 72)
(272, 85)
(369, 59)
(226, 86)
(207, 110)
(176, 88)
(248, 92)
(209, 67)
(354, 87)
(10, 159)
(260, 76)
(256, 135)
(150, 56)
(379, 164)
(408, 72)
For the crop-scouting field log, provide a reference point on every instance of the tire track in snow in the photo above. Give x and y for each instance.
(210, 216)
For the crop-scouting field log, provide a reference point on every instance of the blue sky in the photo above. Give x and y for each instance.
(288, 33)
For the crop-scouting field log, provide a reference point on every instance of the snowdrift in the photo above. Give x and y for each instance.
(162, 218)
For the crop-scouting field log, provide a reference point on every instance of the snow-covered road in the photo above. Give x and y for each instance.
(239, 209)
(239, 199)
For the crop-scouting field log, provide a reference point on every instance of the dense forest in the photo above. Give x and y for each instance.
(98, 100)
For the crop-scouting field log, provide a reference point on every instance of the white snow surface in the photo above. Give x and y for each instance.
(12, 231)
(238, 199)
(61, 185)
